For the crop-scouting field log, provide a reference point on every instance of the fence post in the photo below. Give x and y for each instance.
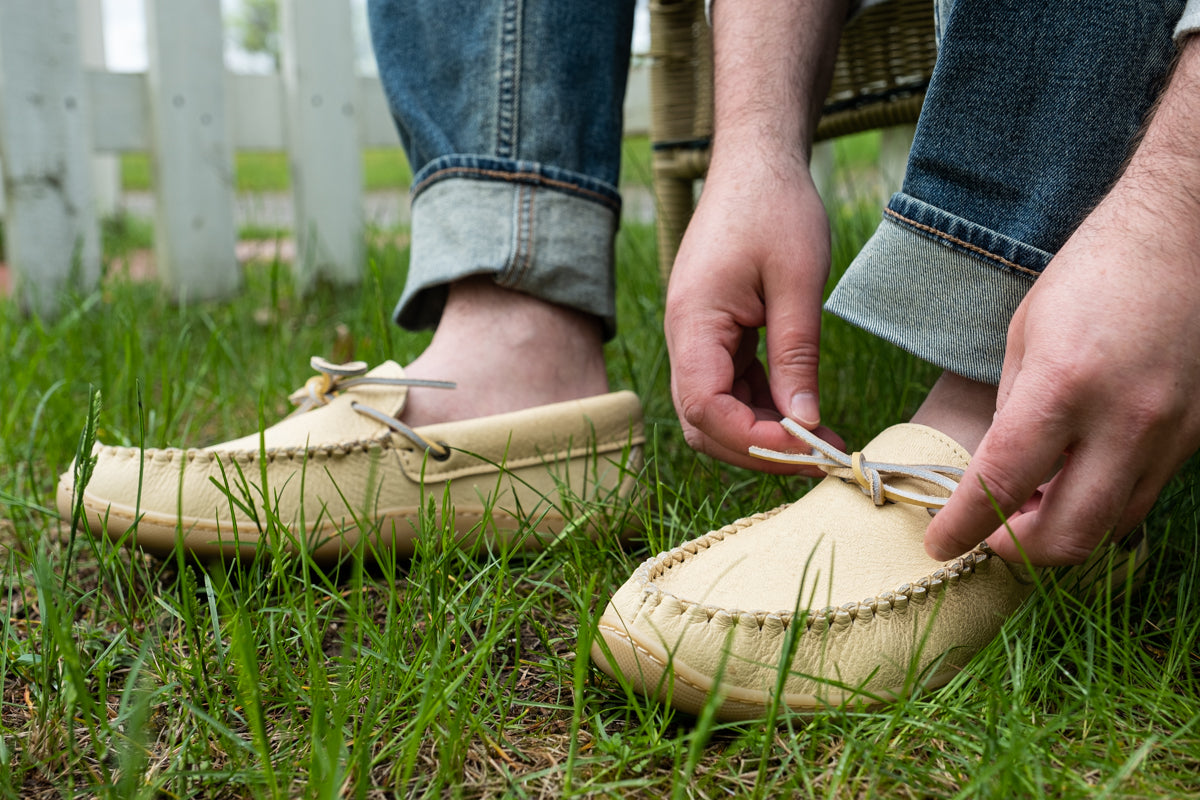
(320, 94)
(51, 236)
(106, 167)
(194, 232)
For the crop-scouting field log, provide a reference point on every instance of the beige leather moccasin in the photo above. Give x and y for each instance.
(827, 601)
(342, 467)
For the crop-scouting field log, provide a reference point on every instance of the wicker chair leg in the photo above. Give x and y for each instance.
(680, 84)
(674, 199)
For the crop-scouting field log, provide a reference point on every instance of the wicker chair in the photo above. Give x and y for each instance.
(883, 66)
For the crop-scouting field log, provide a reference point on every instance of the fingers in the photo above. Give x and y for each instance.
(793, 352)
(726, 404)
(1086, 505)
(1075, 514)
(723, 399)
(750, 384)
(1012, 498)
(736, 419)
(1020, 449)
(746, 264)
(722, 393)
(793, 323)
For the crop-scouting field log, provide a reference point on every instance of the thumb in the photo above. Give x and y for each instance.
(793, 355)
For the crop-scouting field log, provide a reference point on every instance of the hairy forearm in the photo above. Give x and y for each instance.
(773, 62)
(1161, 185)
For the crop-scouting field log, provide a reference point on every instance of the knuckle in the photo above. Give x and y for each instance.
(801, 356)
(1069, 379)
(675, 299)
(1154, 409)
(1051, 388)
(692, 412)
(1000, 485)
(1073, 540)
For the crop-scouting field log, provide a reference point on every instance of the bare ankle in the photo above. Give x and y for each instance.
(960, 408)
(478, 303)
(506, 350)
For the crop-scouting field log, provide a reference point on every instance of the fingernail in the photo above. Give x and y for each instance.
(937, 553)
(805, 409)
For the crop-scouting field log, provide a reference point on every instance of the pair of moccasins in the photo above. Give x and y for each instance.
(825, 601)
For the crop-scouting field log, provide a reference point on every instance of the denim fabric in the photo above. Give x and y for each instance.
(511, 114)
(1032, 109)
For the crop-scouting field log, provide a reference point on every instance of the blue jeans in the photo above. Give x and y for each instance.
(511, 114)
(1032, 110)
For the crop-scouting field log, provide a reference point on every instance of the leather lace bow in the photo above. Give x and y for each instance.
(332, 379)
(869, 475)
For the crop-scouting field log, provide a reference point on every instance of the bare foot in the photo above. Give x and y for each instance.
(507, 351)
(960, 408)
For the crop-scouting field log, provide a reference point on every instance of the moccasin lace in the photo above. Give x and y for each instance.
(869, 475)
(332, 379)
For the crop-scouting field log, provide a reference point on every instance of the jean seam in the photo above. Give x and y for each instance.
(517, 263)
(963, 244)
(508, 105)
(530, 238)
(513, 177)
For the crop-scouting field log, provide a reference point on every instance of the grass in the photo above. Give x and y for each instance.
(383, 168)
(461, 674)
(267, 171)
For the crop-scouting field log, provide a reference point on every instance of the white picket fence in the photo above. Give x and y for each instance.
(59, 110)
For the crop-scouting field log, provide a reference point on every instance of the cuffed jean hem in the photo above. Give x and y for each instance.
(515, 223)
(940, 297)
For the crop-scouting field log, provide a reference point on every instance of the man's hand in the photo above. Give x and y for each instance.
(757, 250)
(755, 255)
(1102, 368)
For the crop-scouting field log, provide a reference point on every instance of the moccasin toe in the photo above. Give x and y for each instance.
(830, 600)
